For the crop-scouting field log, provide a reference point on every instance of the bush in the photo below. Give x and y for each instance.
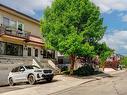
(65, 68)
(66, 72)
(85, 70)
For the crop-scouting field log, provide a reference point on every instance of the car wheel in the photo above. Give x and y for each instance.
(11, 83)
(49, 79)
(31, 79)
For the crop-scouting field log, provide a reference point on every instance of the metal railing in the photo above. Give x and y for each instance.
(7, 30)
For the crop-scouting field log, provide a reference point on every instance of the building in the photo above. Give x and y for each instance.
(113, 61)
(20, 37)
(19, 34)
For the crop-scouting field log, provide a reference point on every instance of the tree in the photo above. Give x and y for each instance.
(123, 60)
(104, 52)
(72, 27)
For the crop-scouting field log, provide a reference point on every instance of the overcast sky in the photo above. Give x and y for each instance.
(114, 13)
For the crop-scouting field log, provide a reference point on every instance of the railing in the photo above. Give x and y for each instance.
(14, 32)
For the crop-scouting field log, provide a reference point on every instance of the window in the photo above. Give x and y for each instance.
(31, 67)
(60, 61)
(21, 68)
(2, 48)
(15, 69)
(44, 53)
(13, 24)
(20, 26)
(5, 21)
(48, 54)
(36, 52)
(14, 49)
(0, 19)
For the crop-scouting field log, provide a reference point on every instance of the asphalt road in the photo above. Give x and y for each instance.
(116, 85)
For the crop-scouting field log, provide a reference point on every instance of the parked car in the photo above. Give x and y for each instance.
(29, 74)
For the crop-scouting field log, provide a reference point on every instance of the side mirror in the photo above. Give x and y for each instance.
(22, 70)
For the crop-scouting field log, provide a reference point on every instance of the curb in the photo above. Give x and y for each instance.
(69, 88)
(91, 80)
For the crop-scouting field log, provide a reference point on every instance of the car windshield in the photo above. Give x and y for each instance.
(32, 67)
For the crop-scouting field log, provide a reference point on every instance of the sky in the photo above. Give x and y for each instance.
(114, 13)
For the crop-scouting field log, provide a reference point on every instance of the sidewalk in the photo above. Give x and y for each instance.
(60, 83)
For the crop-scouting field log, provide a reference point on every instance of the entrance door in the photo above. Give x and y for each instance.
(36, 52)
(29, 51)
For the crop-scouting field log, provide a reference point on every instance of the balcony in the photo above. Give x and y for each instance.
(9, 31)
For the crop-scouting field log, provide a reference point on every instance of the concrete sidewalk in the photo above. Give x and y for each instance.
(61, 82)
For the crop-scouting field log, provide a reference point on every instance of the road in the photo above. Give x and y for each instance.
(20, 86)
(116, 85)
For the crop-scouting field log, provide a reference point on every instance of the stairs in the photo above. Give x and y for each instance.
(47, 63)
(9, 62)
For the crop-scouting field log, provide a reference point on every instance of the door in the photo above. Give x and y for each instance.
(36, 52)
(15, 74)
(21, 74)
(29, 51)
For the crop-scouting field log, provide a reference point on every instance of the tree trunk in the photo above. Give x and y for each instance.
(104, 63)
(72, 61)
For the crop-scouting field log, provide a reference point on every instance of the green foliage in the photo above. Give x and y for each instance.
(72, 27)
(65, 68)
(123, 61)
(86, 70)
(103, 51)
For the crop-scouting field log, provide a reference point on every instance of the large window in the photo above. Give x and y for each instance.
(5, 21)
(14, 49)
(48, 54)
(13, 24)
(11, 49)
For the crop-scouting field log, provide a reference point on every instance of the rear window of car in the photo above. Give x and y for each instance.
(32, 67)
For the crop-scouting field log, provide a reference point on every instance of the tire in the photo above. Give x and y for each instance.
(11, 82)
(31, 79)
(49, 79)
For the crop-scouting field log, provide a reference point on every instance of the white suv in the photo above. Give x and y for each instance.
(30, 74)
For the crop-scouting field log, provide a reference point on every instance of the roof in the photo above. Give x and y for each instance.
(20, 13)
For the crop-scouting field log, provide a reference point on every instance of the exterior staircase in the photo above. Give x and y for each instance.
(47, 63)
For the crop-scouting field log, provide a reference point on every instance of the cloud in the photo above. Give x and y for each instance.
(27, 6)
(107, 6)
(117, 40)
(31, 6)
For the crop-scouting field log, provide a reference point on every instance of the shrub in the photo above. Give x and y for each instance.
(65, 68)
(85, 70)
